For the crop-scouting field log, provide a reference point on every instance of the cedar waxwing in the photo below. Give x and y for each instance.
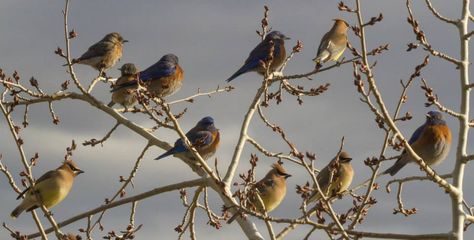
(431, 141)
(51, 188)
(104, 53)
(342, 174)
(271, 189)
(125, 96)
(333, 43)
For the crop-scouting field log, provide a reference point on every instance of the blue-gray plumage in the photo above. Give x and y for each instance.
(163, 78)
(204, 137)
(261, 53)
(431, 141)
(103, 54)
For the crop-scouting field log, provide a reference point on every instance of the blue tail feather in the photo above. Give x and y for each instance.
(172, 151)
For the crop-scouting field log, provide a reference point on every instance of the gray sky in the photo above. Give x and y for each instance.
(212, 39)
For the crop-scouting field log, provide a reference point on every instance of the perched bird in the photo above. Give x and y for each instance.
(271, 189)
(50, 189)
(125, 96)
(103, 54)
(162, 79)
(335, 178)
(261, 53)
(431, 141)
(204, 137)
(333, 43)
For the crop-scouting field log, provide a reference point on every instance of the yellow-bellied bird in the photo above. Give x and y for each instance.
(50, 189)
(335, 178)
(333, 43)
(271, 189)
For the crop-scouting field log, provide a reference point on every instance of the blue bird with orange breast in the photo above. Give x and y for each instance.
(261, 53)
(431, 141)
(162, 79)
(204, 137)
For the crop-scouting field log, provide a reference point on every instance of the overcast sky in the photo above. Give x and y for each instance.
(212, 39)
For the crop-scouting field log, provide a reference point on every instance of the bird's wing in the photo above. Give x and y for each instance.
(158, 70)
(324, 177)
(97, 50)
(324, 44)
(265, 184)
(259, 53)
(45, 176)
(416, 135)
(200, 138)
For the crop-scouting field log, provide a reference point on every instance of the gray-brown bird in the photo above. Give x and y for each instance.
(103, 54)
(49, 190)
(335, 178)
(271, 189)
(333, 43)
(125, 96)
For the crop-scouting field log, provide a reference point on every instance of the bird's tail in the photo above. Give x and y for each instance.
(125, 85)
(231, 219)
(17, 211)
(74, 61)
(396, 167)
(172, 151)
(239, 72)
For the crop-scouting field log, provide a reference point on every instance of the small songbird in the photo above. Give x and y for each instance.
(261, 53)
(335, 178)
(50, 189)
(103, 54)
(271, 189)
(125, 96)
(333, 43)
(431, 141)
(162, 79)
(204, 137)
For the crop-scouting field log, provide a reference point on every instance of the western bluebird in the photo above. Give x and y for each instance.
(261, 53)
(431, 141)
(204, 137)
(335, 178)
(51, 188)
(125, 96)
(103, 54)
(333, 43)
(271, 189)
(162, 79)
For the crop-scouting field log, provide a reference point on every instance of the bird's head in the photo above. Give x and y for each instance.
(276, 35)
(339, 22)
(344, 157)
(170, 58)
(114, 37)
(128, 69)
(206, 123)
(279, 172)
(434, 117)
(72, 167)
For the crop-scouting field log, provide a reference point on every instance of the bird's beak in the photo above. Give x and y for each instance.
(286, 38)
(79, 171)
(428, 116)
(124, 41)
(287, 176)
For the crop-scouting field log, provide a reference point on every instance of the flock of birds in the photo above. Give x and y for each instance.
(431, 141)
